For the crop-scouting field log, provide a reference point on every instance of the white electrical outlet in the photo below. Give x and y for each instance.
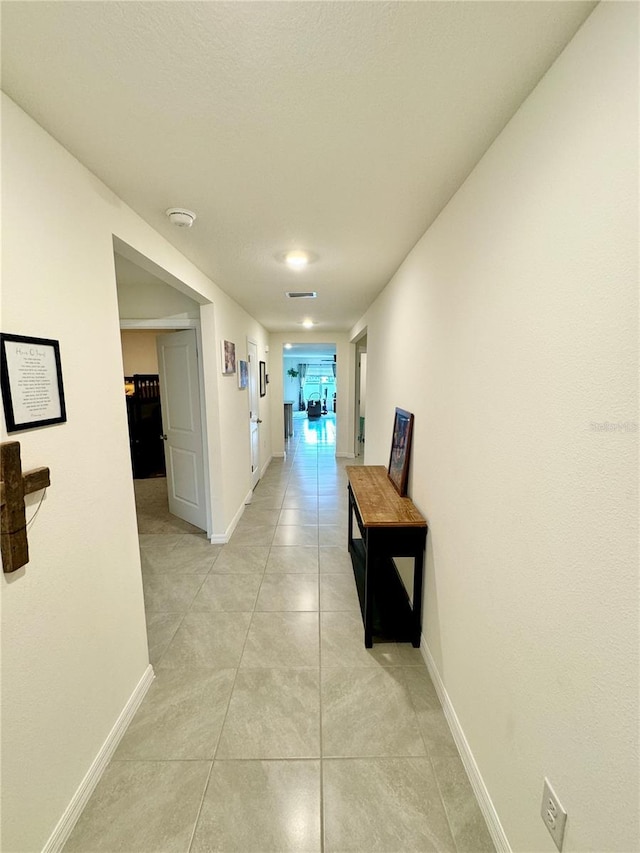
(553, 815)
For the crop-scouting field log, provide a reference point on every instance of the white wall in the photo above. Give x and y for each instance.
(510, 330)
(139, 352)
(134, 301)
(233, 407)
(73, 628)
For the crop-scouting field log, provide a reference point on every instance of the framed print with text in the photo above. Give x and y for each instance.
(31, 379)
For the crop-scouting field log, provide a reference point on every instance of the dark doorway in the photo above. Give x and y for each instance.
(145, 425)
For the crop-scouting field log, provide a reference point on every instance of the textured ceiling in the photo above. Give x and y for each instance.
(342, 128)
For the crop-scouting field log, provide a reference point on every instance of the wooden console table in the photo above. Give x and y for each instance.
(390, 526)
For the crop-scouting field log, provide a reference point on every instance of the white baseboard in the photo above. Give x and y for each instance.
(487, 808)
(280, 455)
(346, 455)
(61, 833)
(223, 538)
(265, 466)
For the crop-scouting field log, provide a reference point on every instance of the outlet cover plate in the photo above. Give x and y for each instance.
(553, 814)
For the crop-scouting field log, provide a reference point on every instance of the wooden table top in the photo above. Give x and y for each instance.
(378, 502)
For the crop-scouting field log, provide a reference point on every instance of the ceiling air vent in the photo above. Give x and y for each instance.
(301, 294)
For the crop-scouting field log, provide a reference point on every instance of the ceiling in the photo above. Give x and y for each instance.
(340, 128)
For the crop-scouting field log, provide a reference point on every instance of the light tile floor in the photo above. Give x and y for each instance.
(269, 726)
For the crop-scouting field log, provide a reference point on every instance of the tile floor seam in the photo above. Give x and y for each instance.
(322, 809)
(444, 806)
(157, 663)
(235, 678)
(413, 702)
(202, 799)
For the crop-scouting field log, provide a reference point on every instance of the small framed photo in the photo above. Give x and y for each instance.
(243, 374)
(228, 358)
(263, 378)
(31, 379)
(400, 450)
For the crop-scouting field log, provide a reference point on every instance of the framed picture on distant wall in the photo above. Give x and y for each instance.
(228, 357)
(243, 374)
(263, 378)
(400, 450)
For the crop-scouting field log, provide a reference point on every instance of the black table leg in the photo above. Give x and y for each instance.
(368, 595)
(418, 567)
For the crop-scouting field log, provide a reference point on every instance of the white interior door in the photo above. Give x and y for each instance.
(361, 401)
(182, 425)
(254, 408)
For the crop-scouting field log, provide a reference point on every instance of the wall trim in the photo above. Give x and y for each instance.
(161, 323)
(265, 466)
(65, 825)
(223, 538)
(346, 455)
(496, 830)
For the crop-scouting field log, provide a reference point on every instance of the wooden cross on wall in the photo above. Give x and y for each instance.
(13, 488)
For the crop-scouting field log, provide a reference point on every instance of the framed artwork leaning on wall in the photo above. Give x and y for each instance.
(400, 450)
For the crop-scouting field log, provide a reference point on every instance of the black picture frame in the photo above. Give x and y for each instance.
(263, 378)
(31, 381)
(398, 470)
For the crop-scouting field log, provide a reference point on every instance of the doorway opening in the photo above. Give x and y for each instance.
(254, 409)
(163, 379)
(310, 389)
(361, 395)
(144, 406)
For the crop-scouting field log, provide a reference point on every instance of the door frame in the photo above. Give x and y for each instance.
(254, 375)
(169, 324)
(360, 347)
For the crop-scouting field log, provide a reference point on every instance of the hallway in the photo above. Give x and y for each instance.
(269, 726)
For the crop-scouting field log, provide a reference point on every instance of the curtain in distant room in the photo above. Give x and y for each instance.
(302, 370)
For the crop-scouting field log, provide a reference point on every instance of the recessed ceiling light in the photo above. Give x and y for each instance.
(297, 259)
(308, 324)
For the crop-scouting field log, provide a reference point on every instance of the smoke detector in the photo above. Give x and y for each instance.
(181, 217)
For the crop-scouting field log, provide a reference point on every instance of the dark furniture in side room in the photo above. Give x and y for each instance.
(390, 526)
(145, 425)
